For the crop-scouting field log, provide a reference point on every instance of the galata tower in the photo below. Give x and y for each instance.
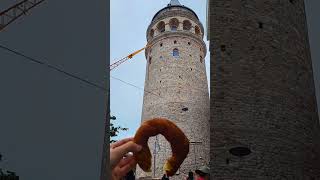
(176, 85)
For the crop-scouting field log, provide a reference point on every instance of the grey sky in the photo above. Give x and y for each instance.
(129, 22)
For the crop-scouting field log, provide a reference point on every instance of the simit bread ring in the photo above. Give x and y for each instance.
(177, 139)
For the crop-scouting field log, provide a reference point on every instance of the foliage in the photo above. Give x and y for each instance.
(7, 175)
(114, 131)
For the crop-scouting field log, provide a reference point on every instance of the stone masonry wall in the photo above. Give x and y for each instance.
(177, 89)
(262, 92)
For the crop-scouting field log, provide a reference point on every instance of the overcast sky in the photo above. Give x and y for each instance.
(129, 22)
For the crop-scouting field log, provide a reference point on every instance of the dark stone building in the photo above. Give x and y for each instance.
(264, 118)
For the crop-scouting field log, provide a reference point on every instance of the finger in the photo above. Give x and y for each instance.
(127, 147)
(128, 154)
(126, 168)
(125, 161)
(115, 173)
(119, 143)
(119, 172)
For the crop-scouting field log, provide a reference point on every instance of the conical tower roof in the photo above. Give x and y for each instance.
(174, 3)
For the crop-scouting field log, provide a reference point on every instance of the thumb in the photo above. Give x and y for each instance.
(128, 147)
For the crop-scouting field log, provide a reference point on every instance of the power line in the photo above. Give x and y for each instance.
(54, 68)
(70, 74)
(134, 86)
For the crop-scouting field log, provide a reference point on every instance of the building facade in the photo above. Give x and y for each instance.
(176, 85)
(264, 120)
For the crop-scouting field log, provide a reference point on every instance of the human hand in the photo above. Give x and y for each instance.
(121, 163)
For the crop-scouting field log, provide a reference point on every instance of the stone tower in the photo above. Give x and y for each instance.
(176, 85)
(263, 111)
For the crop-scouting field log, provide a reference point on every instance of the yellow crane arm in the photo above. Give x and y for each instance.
(117, 63)
(137, 52)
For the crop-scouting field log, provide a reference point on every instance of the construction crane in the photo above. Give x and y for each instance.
(14, 12)
(117, 63)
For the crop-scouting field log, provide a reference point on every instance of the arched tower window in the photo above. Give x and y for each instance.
(197, 30)
(186, 25)
(151, 33)
(174, 23)
(175, 52)
(161, 26)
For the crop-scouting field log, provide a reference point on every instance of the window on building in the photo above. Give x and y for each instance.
(151, 33)
(175, 42)
(227, 161)
(161, 26)
(150, 58)
(201, 60)
(185, 109)
(240, 151)
(175, 52)
(174, 24)
(223, 47)
(197, 30)
(186, 25)
(161, 44)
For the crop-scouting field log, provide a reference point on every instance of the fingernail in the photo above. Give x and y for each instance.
(139, 148)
